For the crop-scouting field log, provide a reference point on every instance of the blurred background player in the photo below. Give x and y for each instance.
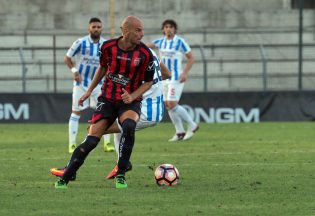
(152, 112)
(172, 48)
(82, 59)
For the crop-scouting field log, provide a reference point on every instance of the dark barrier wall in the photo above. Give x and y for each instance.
(204, 107)
(251, 106)
(37, 108)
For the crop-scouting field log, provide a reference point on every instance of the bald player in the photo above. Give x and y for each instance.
(127, 67)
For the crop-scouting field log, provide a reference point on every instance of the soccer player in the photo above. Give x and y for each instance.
(172, 48)
(152, 112)
(82, 59)
(127, 66)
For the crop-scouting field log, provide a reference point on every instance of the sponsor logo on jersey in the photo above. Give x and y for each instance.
(119, 79)
(151, 66)
(169, 54)
(90, 60)
(124, 58)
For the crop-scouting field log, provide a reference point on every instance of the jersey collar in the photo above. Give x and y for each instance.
(174, 38)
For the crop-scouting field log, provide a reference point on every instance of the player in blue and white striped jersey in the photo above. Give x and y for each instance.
(152, 109)
(172, 48)
(82, 59)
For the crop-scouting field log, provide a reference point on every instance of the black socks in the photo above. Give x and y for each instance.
(126, 144)
(79, 155)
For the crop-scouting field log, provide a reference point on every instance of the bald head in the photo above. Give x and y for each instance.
(132, 30)
(130, 21)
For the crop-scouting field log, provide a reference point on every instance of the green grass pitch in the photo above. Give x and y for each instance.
(226, 169)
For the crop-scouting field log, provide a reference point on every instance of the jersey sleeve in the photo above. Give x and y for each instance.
(102, 53)
(158, 43)
(74, 49)
(185, 48)
(150, 69)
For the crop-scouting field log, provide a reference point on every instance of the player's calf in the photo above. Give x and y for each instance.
(126, 144)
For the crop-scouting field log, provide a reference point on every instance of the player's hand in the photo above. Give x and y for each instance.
(77, 77)
(84, 97)
(126, 97)
(182, 77)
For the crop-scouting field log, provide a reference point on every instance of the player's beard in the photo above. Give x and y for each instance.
(169, 34)
(95, 36)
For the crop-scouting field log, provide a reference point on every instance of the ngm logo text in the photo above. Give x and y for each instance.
(10, 112)
(223, 114)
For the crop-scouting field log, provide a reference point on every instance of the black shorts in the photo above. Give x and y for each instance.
(106, 109)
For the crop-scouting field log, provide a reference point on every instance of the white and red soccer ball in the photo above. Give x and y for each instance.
(166, 175)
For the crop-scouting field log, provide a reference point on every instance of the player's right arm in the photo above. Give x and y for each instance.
(100, 73)
(151, 45)
(73, 69)
(73, 51)
(155, 44)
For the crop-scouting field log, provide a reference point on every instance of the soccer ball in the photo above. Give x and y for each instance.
(166, 175)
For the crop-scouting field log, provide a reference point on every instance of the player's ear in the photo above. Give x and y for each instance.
(122, 29)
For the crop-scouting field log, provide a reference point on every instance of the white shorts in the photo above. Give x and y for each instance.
(144, 123)
(172, 90)
(78, 91)
(141, 124)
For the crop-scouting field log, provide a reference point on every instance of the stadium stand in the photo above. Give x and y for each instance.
(232, 45)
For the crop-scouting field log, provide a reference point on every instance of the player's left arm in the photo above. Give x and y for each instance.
(190, 61)
(100, 73)
(128, 98)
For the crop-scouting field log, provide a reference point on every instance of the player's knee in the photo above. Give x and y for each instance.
(78, 113)
(170, 105)
(129, 126)
(172, 109)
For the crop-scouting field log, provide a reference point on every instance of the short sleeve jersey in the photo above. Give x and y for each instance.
(171, 53)
(86, 55)
(125, 69)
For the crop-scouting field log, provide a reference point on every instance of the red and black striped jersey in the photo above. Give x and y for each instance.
(125, 69)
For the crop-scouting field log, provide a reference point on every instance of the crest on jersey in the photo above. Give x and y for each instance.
(87, 51)
(137, 61)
